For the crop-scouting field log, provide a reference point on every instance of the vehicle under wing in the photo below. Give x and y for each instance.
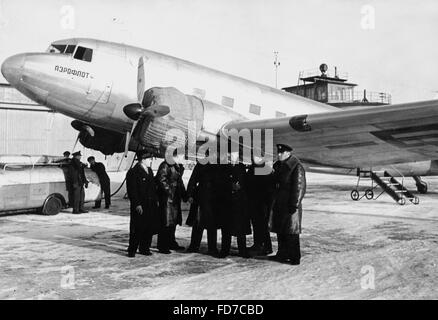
(360, 137)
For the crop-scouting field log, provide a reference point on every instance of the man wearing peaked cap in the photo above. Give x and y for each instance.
(104, 180)
(290, 186)
(283, 147)
(76, 181)
(144, 218)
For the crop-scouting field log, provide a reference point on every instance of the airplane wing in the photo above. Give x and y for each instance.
(361, 137)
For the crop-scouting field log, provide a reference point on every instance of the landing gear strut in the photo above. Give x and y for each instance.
(422, 186)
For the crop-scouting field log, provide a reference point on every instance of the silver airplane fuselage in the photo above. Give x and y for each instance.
(95, 89)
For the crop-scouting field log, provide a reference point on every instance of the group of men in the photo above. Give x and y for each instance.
(230, 197)
(77, 182)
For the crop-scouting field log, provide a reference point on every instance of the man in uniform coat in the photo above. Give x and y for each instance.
(260, 190)
(201, 194)
(76, 183)
(171, 191)
(104, 180)
(290, 187)
(235, 221)
(65, 162)
(141, 189)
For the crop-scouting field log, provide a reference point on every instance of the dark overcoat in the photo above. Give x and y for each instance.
(236, 216)
(99, 169)
(290, 187)
(260, 190)
(201, 188)
(142, 191)
(76, 175)
(171, 191)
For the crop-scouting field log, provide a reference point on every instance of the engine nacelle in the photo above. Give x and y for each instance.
(182, 124)
(106, 141)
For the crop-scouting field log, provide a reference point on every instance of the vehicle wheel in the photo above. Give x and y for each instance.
(422, 187)
(369, 194)
(52, 206)
(402, 201)
(355, 195)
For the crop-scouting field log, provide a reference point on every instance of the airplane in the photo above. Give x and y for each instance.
(124, 98)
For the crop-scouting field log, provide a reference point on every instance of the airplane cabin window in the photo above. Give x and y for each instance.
(70, 49)
(84, 54)
(254, 109)
(227, 102)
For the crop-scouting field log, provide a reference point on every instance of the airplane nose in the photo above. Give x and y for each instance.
(12, 68)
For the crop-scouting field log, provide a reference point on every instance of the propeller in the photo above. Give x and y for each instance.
(76, 142)
(134, 110)
(139, 112)
(81, 127)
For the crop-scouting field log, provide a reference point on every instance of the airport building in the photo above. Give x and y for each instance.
(331, 86)
(29, 128)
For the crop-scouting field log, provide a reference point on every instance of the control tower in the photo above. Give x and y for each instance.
(331, 86)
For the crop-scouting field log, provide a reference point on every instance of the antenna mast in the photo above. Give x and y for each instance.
(276, 64)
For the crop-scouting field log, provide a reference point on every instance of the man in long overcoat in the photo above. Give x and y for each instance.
(142, 194)
(290, 187)
(171, 191)
(202, 195)
(235, 216)
(76, 182)
(260, 189)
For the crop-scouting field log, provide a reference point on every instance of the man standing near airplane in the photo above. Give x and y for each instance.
(76, 183)
(236, 220)
(104, 180)
(171, 192)
(201, 194)
(259, 190)
(290, 187)
(141, 188)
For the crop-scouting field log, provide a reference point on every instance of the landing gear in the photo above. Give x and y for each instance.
(422, 186)
(355, 195)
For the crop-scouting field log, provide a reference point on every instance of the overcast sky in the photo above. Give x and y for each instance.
(398, 53)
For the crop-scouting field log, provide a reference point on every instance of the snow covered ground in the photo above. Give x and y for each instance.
(351, 250)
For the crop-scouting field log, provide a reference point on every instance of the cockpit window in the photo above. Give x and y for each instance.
(84, 54)
(60, 47)
(70, 49)
(56, 48)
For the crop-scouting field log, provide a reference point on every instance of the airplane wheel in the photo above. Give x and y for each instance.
(369, 194)
(416, 200)
(52, 206)
(355, 195)
(402, 201)
(422, 187)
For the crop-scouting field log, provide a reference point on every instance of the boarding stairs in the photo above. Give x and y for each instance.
(389, 185)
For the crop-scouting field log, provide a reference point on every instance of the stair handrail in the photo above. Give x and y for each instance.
(401, 175)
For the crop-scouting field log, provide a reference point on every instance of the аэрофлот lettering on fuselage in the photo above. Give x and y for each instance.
(74, 72)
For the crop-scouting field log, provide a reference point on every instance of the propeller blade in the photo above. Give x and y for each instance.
(127, 141)
(76, 142)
